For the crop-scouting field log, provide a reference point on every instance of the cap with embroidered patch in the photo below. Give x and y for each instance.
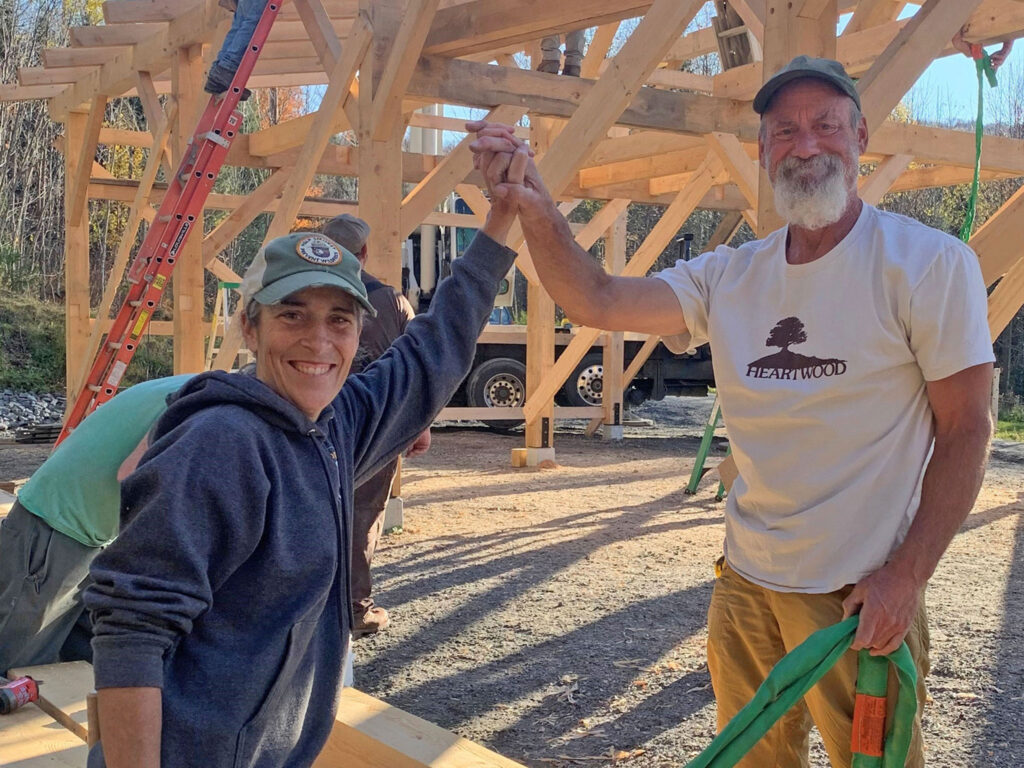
(830, 71)
(301, 260)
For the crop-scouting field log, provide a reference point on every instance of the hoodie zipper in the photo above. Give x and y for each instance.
(322, 444)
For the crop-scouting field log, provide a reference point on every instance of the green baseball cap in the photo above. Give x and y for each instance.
(301, 260)
(830, 71)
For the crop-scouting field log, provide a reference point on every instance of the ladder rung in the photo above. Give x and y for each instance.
(94, 388)
(114, 344)
(135, 303)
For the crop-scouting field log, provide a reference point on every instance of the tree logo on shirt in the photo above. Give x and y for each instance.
(792, 365)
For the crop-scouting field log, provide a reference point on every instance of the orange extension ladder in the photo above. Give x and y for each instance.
(180, 213)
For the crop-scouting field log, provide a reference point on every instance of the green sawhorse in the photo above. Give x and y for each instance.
(699, 469)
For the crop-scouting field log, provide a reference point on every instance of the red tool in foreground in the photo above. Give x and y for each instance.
(17, 693)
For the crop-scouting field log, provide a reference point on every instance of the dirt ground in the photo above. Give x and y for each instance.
(558, 615)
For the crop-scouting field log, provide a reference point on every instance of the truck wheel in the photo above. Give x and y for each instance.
(498, 383)
(586, 385)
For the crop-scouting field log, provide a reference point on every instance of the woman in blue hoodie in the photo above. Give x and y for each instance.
(222, 612)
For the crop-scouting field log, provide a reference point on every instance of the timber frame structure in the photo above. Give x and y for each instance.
(634, 128)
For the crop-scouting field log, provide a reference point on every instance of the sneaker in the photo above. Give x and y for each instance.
(571, 70)
(548, 65)
(372, 621)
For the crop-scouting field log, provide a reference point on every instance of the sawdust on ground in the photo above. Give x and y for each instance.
(558, 615)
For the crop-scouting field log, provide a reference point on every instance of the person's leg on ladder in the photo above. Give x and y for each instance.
(574, 42)
(247, 16)
(551, 54)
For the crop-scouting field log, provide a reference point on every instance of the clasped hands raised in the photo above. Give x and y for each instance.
(506, 163)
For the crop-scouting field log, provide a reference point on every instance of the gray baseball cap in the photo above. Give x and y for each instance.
(348, 231)
(830, 71)
(301, 260)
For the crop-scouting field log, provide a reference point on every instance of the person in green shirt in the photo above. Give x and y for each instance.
(64, 516)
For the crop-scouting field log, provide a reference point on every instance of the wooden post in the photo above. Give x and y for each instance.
(614, 347)
(187, 282)
(787, 33)
(380, 160)
(76, 261)
(540, 340)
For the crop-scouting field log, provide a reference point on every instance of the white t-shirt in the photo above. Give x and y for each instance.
(821, 372)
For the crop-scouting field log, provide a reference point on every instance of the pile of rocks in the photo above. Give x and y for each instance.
(22, 409)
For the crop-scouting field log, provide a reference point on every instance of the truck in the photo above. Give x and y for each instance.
(497, 378)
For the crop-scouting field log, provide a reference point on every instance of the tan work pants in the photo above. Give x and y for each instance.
(750, 628)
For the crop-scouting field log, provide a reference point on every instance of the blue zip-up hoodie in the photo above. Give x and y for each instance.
(228, 586)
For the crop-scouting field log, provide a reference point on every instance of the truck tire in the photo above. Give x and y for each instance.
(498, 383)
(586, 384)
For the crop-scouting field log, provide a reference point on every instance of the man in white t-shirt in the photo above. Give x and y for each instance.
(853, 362)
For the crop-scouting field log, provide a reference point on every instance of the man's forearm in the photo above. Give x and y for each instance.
(130, 723)
(949, 490)
(570, 276)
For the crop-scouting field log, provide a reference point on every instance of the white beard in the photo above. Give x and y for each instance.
(811, 193)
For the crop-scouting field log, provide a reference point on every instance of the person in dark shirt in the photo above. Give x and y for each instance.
(393, 313)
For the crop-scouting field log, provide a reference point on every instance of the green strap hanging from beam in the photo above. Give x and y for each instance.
(794, 675)
(984, 66)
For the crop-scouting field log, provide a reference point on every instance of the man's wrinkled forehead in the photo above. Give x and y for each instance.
(797, 93)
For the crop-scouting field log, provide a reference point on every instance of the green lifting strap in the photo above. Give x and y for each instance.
(794, 675)
(985, 70)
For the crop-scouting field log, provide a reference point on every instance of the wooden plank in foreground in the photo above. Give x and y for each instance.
(369, 733)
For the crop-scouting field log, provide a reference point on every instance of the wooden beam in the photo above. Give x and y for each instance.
(202, 23)
(302, 174)
(486, 25)
(321, 32)
(871, 13)
(680, 161)
(612, 355)
(998, 241)
(942, 176)
(604, 35)
(76, 261)
(400, 64)
(380, 186)
(659, 237)
(369, 733)
(87, 153)
(689, 114)
(742, 169)
(915, 47)
(187, 283)
(689, 81)
(54, 58)
(753, 14)
(725, 231)
(155, 116)
(233, 224)
(600, 108)
(813, 9)
(1006, 300)
(126, 34)
(874, 186)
